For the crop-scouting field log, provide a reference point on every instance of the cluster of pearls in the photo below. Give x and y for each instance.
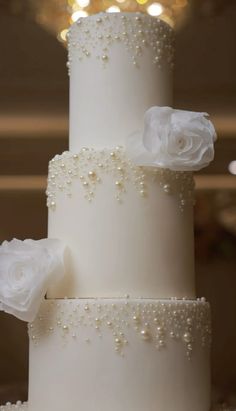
(19, 406)
(155, 321)
(96, 34)
(89, 167)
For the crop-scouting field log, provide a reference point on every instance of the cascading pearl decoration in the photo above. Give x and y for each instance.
(19, 406)
(89, 167)
(158, 322)
(135, 32)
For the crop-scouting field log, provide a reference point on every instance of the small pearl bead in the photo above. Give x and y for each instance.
(145, 335)
(104, 57)
(92, 174)
(189, 347)
(166, 188)
(187, 337)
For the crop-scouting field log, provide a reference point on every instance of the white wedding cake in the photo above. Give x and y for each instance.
(122, 330)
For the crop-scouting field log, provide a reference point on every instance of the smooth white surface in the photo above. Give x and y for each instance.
(71, 374)
(142, 247)
(107, 103)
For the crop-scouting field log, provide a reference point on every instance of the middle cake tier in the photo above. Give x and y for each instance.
(128, 229)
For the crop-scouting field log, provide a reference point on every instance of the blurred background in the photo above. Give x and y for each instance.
(34, 127)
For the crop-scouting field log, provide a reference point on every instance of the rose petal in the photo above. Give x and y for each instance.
(27, 269)
(159, 145)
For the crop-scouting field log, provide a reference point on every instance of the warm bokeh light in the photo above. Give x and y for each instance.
(155, 9)
(232, 167)
(113, 9)
(181, 3)
(63, 34)
(83, 3)
(56, 15)
(142, 1)
(77, 14)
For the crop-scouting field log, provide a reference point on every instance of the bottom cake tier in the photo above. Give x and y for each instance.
(120, 355)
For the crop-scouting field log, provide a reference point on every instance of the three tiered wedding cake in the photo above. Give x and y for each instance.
(122, 330)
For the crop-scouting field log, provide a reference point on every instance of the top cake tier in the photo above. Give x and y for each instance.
(120, 65)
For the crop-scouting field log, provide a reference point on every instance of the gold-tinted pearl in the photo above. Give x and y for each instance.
(167, 188)
(92, 174)
(187, 337)
(145, 335)
(136, 319)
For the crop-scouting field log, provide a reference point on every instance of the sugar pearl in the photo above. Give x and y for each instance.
(187, 337)
(92, 174)
(145, 335)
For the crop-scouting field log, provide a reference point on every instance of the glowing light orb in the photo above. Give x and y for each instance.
(63, 34)
(77, 14)
(113, 9)
(155, 9)
(232, 167)
(83, 3)
(142, 1)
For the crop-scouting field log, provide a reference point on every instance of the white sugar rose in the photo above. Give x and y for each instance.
(175, 139)
(27, 269)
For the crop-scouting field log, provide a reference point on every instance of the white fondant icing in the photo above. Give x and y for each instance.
(84, 371)
(141, 246)
(108, 100)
